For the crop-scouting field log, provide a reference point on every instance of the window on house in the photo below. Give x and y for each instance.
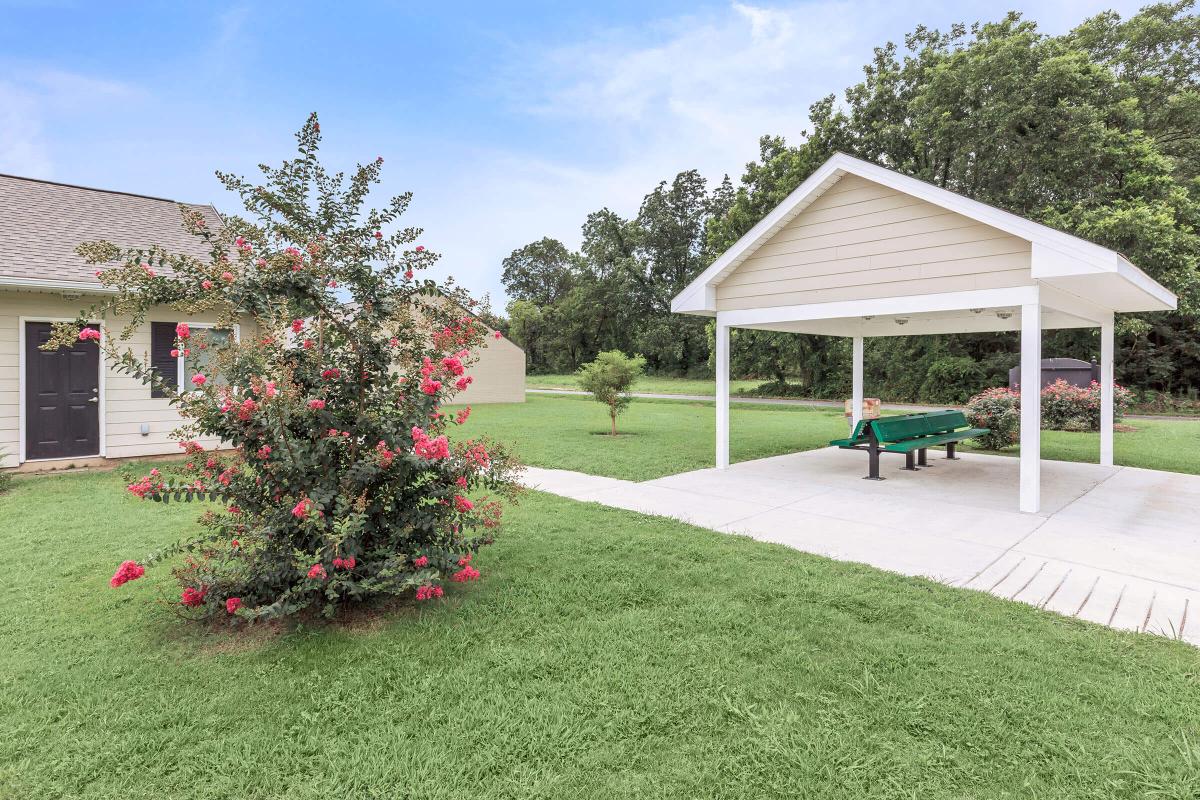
(198, 361)
(176, 371)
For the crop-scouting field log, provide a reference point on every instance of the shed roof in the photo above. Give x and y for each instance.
(42, 222)
(1095, 274)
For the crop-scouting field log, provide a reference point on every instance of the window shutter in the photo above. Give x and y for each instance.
(162, 341)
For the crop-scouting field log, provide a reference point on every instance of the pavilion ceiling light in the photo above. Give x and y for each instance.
(901, 320)
(1005, 314)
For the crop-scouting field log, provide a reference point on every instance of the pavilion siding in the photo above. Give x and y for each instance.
(860, 240)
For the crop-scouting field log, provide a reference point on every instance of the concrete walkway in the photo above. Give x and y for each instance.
(1114, 545)
(792, 401)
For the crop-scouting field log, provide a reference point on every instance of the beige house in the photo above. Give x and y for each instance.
(70, 406)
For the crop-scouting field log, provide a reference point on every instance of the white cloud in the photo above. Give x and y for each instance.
(640, 105)
(32, 101)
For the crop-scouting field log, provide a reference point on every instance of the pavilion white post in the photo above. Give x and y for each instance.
(1106, 391)
(856, 392)
(722, 368)
(1031, 407)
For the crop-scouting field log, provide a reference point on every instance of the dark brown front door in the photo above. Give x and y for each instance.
(62, 397)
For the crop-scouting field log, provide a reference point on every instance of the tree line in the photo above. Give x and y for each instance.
(1095, 132)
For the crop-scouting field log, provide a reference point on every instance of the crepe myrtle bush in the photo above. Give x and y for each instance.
(1064, 408)
(341, 484)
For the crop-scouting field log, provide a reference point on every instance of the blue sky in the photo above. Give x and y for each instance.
(508, 121)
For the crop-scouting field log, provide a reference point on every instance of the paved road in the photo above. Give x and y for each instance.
(775, 401)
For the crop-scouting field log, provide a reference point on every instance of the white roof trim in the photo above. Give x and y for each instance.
(12, 282)
(1086, 257)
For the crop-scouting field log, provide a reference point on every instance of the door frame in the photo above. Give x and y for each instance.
(22, 380)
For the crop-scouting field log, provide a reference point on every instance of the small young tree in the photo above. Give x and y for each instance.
(609, 379)
(342, 485)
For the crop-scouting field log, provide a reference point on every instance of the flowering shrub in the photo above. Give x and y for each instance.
(998, 410)
(342, 484)
(1073, 408)
(1064, 408)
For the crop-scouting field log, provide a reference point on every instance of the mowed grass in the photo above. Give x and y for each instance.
(603, 655)
(663, 437)
(650, 384)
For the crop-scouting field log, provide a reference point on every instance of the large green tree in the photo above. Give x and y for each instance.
(1093, 132)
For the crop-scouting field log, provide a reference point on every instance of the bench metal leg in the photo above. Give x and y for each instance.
(950, 451)
(923, 457)
(873, 465)
(910, 462)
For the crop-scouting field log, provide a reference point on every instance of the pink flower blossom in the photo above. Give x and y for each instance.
(461, 504)
(182, 330)
(461, 481)
(192, 597)
(467, 573)
(264, 451)
(331, 373)
(297, 325)
(420, 248)
(247, 408)
(316, 405)
(128, 571)
(317, 571)
(497, 335)
(430, 386)
(233, 604)
(429, 592)
(206, 284)
(378, 235)
(394, 342)
(333, 284)
(199, 380)
(461, 417)
(408, 274)
(301, 509)
(421, 562)
(227, 276)
(463, 382)
(430, 448)
(89, 333)
(308, 344)
(174, 354)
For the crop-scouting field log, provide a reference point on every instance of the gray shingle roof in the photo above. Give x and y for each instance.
(41, 223)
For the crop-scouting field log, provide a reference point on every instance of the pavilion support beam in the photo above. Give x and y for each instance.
(1106, 392)
(1031, 407)
(856, 391)
(722, 369)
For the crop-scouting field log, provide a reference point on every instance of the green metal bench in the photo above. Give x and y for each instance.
(910, 434)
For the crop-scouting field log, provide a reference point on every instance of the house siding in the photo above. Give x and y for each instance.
(499, 378)
(860, 240)
(499, 374)
(127, 402)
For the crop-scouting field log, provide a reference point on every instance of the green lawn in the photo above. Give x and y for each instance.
(650, 384)
(662, 437)
(604, 655)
